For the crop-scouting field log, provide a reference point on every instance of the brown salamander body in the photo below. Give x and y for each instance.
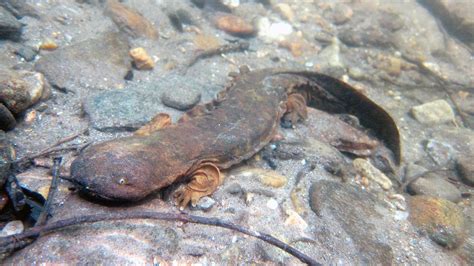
(241, 121)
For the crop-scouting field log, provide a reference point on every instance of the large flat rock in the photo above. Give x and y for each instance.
(98, 63)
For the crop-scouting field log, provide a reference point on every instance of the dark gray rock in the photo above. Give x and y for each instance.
(7, 154)
(457, 16)
(465, 166)
(205, 204)
(10, 27)
(373, 29)
(180, 94)
(27, 52)
(126, 109)
(7, 120)
(435, 186)
(340, 14)
(353, 208)
(235, 189)
(194, 250)
(19, 8)
(440, 151)
(131, 107)
(96, 63)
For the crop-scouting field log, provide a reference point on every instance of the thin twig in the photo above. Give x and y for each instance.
(43, 217)
(61, 141)
(11, 242)
(226, 48)
(55, 148)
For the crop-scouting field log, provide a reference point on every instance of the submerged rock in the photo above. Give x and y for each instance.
(28, 53)
(181, 97)
(20, 89)
(7, 154)
(19, 8)
(7, 120)
(435, 186)
(103, 241)
(441, 219)
(353, 208)
(457, 16)
(125, 110)
(432, 113)
(234, 25)
(130, 21)
(465, 166)
(98, 63)
(10, 27)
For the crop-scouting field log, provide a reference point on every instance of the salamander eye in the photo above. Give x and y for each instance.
(122, 181)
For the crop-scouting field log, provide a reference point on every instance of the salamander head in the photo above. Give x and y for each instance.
(113, 172)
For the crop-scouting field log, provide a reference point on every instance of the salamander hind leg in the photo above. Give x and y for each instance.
(295, 110)
(204, 181)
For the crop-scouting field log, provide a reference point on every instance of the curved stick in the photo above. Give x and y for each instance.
(13, 240)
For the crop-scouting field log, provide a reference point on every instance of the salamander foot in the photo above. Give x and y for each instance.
(204, 181)
(295, 110)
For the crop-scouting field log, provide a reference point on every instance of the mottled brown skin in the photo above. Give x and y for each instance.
(240, 122)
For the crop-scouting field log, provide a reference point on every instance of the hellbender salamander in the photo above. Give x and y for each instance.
(236, 125)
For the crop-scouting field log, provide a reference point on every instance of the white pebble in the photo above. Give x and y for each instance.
(272, 204)
(13, 227)
(276, 31)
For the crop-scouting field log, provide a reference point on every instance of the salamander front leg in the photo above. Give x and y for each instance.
(204, 181)
(159, 121)
(295, 110)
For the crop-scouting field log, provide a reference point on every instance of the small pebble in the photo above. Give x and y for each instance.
(48, 45)
(440, 151)
(295, 220)
(272, 179)
(432, 113)
(365, 168)
(235, 189)
(205, 204)
(13, 227)
(231, 3)
(356, 73)
(30, 117)
(401, 215)
(181, 97)
(141, 59)
(234, 25)
(272, 204)
(130, 20)
(277, 31)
